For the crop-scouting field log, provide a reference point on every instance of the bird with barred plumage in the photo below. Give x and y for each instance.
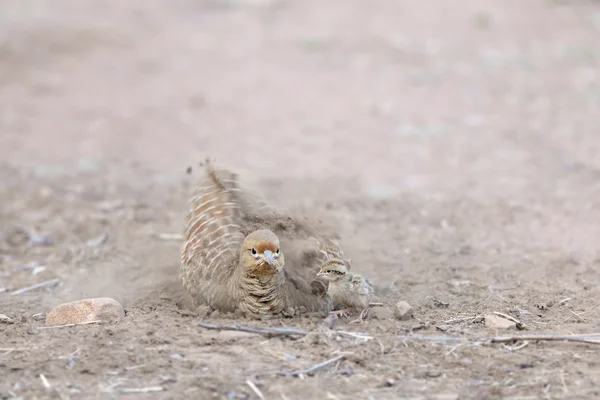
(239, 255)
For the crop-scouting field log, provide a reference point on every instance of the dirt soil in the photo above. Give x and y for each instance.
(453, 146)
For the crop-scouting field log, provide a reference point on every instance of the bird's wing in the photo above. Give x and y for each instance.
(212, 236)
(305, 249)
(362, 285)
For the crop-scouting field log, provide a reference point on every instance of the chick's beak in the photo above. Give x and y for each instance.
(320, 273)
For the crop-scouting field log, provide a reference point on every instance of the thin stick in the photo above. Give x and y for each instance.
(508, 317)
(519, 347)
(16, 348)
(69, 325)
(579, 339)
(463, 319)
(45, 381)
(355, 335)
(51, 282)
(579, 317)
(142, 390)
(562, 379)
(255, 389)
(260, 331)
(432, 338)
(375, 304)
(313, 368)
(590, 339)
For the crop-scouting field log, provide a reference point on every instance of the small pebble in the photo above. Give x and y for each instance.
(6, 320)
(98, 241)
(331, 321)
(433, 374)
(403, 311)
(36, 239)
(99, 309)
(39, 316)
(494, 321)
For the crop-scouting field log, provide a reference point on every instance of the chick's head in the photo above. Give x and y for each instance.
(333, 270)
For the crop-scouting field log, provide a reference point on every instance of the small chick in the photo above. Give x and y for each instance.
(353, 291)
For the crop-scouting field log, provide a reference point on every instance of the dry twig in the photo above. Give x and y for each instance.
(355, 335)
(7, 350)
(45, 381)
(313, 368)
(69, 325)
(275, 331)
(463, 319)
(261, 331)
(508, 317)
(578, 316)
(142, 390)
(547, 338)
(15, 349)
(518, 323)
(590, 339)
(255, 389)
(51, 282)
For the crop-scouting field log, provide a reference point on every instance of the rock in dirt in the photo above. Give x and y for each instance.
(331, 321)
(87, 310)
(403, 311)
(381, 313)
(6, 320)
(494, 321)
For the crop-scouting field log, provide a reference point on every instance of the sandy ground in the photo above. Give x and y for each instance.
(454, 147)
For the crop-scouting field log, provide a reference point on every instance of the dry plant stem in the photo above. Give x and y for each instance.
(462, 319)
(255, 389)
(142, 390)
(45, 381)
(508, 317)
(51, 282)
(590, 339)
(313, 368)
(260, 331)
(579, 339)
(15, 349)
(68, 325)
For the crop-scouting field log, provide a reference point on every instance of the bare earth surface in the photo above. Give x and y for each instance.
(453, 145)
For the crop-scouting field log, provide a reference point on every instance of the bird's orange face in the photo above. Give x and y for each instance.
(261, 253)
(332, 271)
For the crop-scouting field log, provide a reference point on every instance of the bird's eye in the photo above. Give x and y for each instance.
(253, 252)
(277, 251)
(328, 271)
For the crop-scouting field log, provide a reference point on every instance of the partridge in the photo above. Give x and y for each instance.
(349, 290)
(239, 255)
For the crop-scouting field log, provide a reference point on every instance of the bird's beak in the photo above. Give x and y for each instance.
(320, 273)
(269, 257)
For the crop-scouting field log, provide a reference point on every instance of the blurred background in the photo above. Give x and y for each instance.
(398, 93)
